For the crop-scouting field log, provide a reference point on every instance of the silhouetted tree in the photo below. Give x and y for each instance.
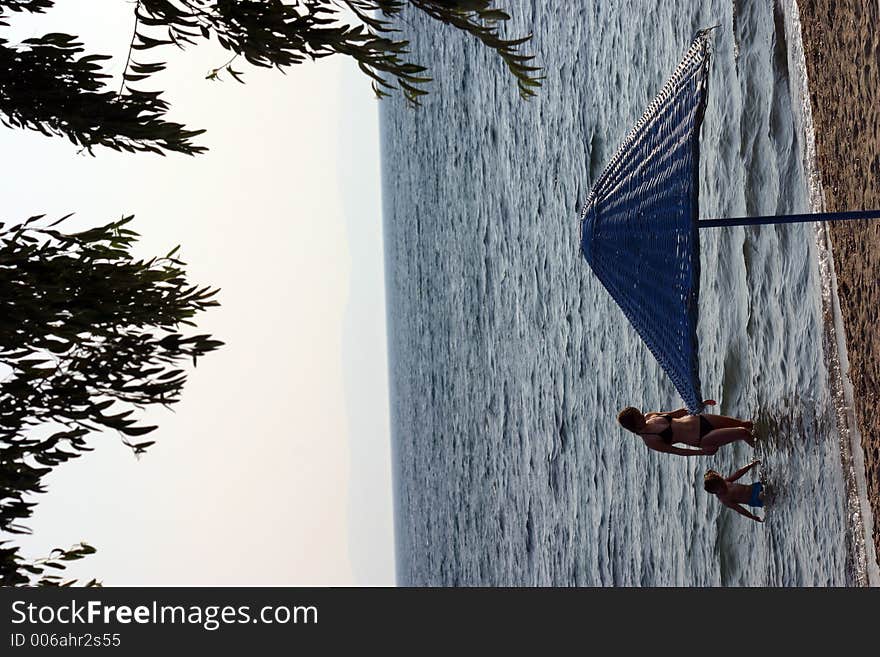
(17, 571)
(48, 84)
(89, 335)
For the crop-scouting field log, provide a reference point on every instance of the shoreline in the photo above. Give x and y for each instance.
(863, 554)
(841, 56)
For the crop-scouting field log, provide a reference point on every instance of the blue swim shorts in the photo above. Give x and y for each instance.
(757, 489)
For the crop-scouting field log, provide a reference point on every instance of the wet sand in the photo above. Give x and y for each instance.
(842, 48)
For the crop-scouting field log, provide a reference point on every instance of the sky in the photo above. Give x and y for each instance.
(274, 468)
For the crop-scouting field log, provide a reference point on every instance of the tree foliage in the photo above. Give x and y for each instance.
(48, 83)
(17, 571)
(90, 335)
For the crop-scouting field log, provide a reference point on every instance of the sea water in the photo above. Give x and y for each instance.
(509, 361)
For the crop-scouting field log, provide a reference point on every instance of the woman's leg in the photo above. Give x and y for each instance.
(715, 439)
(725, 422)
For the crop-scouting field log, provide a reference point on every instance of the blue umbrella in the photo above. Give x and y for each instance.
(640, 225)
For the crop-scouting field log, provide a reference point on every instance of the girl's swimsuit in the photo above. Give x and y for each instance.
(757, 489)
(666, 434)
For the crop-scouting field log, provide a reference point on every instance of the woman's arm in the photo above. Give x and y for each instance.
(659, 446)
(739, 473)
(681, 412)
(688, 452)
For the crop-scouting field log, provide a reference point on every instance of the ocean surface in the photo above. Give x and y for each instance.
(509, 361)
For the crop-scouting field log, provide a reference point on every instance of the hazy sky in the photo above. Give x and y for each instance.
(274, 467)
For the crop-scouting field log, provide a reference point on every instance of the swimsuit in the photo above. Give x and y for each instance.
(705, 427)
(757, 489)
(666, 434)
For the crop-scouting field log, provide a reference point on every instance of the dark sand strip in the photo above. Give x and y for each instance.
(842, 49)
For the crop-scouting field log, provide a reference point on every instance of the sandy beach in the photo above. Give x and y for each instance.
(842, 48)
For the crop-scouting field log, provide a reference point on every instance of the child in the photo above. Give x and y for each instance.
(733, 495)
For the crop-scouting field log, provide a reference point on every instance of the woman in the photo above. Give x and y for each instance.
(703, 434)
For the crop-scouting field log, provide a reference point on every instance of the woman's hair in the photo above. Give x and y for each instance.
(713, 482)
(631, 419)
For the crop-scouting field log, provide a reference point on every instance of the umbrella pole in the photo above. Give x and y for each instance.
(789, 218)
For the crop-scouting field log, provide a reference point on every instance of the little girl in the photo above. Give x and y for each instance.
(733, 495)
